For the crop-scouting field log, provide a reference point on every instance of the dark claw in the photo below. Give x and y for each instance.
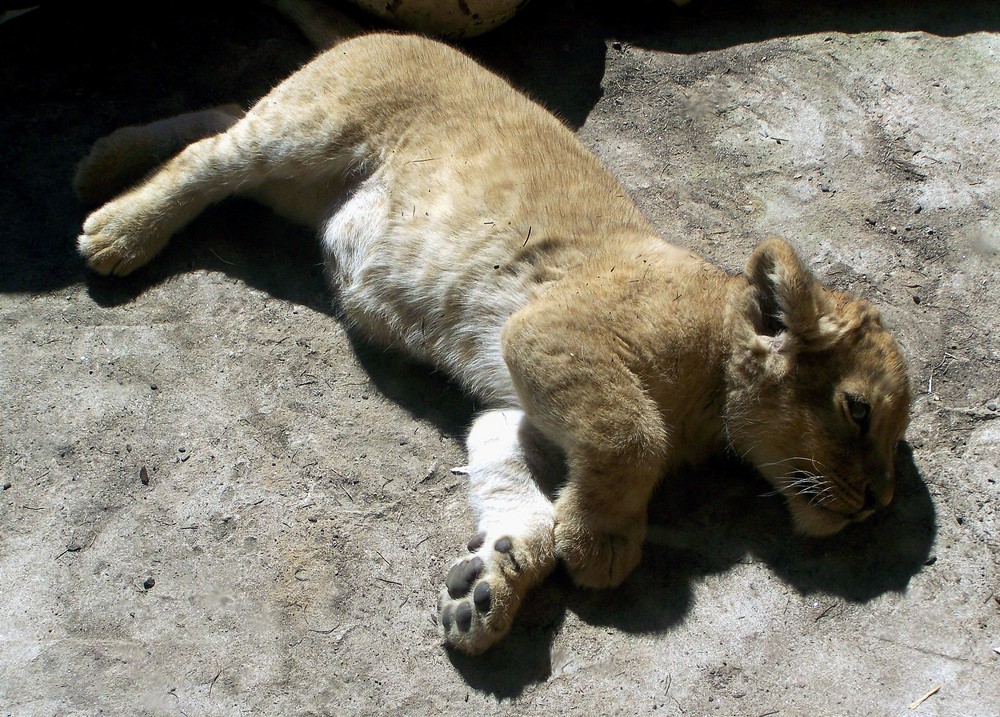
(505, 547)
(463, 616)
(446, 618)
(476, 541)
(462, 575)
(482, 597)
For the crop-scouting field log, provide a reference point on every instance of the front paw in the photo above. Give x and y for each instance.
(482, 594)
(599, 557)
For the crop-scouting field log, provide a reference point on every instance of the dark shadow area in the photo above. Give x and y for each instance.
(555, 49)
(724, 515)
(524, 657)
(707, 25)
(73, 73)
(426, 394)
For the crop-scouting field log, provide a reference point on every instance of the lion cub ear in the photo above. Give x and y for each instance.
(794, 309)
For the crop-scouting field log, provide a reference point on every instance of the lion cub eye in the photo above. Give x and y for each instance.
(860, 411)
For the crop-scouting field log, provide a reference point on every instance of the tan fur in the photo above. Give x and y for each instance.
(467, 227)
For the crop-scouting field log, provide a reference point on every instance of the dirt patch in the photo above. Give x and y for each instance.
(215, 503)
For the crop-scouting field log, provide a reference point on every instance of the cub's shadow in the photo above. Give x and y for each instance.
(247, 242)
(703, 524)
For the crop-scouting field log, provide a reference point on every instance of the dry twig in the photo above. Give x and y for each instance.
(932, 691)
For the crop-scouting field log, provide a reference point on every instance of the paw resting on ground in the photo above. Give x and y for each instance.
(481, 594)
(600, 558)
(117, 238)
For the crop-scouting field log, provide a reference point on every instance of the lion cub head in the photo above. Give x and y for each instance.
(817, 391)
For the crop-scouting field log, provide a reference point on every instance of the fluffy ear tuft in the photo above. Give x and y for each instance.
(793, 305)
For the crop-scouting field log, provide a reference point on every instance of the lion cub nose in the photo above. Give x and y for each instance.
(878, 496)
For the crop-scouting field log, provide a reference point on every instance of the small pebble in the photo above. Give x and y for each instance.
(6, 485)
(991, 405)
(148, 583)
(153, 386)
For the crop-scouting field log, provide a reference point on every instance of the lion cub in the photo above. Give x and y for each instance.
(466, 226)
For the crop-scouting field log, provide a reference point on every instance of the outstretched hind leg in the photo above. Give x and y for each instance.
(128, 154)
(302, 134)
(131, 229)
(513, 548)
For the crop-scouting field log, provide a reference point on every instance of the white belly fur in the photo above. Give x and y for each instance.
(410, 289)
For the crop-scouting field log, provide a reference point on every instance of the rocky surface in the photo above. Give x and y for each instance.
(215, 504)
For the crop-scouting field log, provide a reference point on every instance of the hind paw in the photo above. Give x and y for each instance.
(117, 239)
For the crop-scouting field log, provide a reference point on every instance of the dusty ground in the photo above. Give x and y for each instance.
(214, 504)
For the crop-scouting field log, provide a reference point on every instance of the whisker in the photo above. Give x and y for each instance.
(789, 459)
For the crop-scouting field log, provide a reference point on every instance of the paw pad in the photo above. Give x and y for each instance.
(476, 607)
(482, 597)
(463, 616)
(462, 575)
(476, 541)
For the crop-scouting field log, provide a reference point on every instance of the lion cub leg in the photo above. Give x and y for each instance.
(128, 231)
(512, 550)
(576, 389)
(601, 518)
(126, 155)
